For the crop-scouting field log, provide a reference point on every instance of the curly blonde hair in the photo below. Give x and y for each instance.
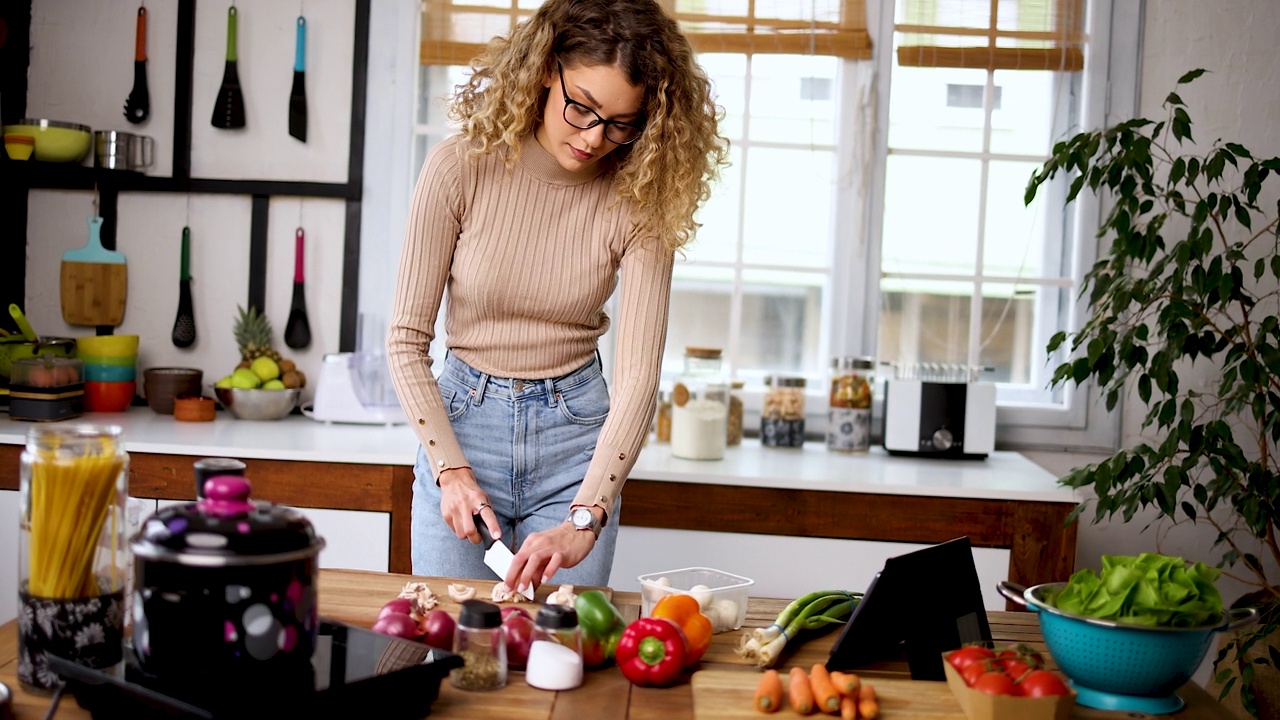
(667, 173)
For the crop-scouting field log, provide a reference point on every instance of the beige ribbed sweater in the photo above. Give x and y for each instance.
(529, 259)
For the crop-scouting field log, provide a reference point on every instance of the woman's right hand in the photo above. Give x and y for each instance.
(460, 500)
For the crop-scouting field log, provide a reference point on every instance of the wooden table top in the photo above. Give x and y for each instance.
(356, 596)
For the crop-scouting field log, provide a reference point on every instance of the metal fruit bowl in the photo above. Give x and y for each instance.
(258, 404)
(1121, 666)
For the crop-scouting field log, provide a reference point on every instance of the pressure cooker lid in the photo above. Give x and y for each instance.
(226, 528)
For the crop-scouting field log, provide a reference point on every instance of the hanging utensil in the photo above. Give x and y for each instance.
(184, 325)
(298, 95)
(16, 313)
(297, 331)
(228, 108)
(137, 107)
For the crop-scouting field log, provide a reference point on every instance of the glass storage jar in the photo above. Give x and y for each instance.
(662, 418)
(849, 404)
(73, 550)
(782, 417)
(733, 433)
(700, 412)
(481, 642)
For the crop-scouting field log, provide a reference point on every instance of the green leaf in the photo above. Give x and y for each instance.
(1237, 149)
(1173, 99)
(1275, 266)
(1189, 509)
(1259, 269)
(1176, 172)
(1192, 75)
(1243, 217)
(1059, 337)
(1144, 388)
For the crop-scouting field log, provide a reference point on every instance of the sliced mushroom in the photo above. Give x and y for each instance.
(460, 592)
(563, 596)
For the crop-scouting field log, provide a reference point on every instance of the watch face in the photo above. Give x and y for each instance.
(582, 517)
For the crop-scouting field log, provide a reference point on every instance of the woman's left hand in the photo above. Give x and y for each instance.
(543, 553)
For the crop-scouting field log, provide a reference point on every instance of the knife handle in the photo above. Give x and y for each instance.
(485, 538)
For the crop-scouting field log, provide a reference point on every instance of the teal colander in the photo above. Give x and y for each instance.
(1117, 666)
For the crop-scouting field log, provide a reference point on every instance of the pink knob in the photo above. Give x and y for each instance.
(225, 496)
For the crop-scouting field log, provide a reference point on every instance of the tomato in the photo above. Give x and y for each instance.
(1042, 683)
(1016, 667)
(972, 672)
(967, 655)
(1024, 652)
(996, 683)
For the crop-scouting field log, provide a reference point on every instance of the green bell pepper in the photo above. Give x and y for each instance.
(601, 626)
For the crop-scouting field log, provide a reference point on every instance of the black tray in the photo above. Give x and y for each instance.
(356, 671)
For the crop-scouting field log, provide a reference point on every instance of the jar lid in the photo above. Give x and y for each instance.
(557, 617)
(479, 614)
(784, 381)
(702, 352)
(848, 362)
(226, 528)
(738, 384)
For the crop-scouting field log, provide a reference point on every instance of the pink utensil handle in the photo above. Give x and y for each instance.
(297, 262)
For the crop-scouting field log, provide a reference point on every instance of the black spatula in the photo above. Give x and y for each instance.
(297, 331)
(228, 108)
(137, 107)
(184, 325)
(298, 95)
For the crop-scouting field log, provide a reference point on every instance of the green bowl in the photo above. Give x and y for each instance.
(117, 346)
(129, 361)
(55, 141)
(10, 351)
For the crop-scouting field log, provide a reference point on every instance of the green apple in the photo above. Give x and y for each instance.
(244, 379)
(265, 368)
(224, 382)
(273, 385)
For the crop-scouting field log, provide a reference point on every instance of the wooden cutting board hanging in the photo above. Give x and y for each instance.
(94, 282)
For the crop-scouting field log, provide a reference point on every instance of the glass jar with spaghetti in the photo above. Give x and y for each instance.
(73, 550)
(782, 417)
(849, 405)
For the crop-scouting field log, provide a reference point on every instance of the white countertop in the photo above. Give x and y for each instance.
(1001, 476)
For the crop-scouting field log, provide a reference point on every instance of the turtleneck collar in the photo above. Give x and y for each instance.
(542, 165)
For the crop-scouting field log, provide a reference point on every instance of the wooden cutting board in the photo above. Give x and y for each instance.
(727, 695)
(94, 282)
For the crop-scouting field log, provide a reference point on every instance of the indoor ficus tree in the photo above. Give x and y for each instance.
(1191, 280)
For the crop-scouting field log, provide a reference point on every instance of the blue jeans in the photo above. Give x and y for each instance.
(529, 443)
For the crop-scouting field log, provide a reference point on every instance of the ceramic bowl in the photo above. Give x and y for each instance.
(110, 373)
(90, 359)
(19, 147)
(108, 396)
(108, 346)
(258, 404)
(164, 385)
(55, 141)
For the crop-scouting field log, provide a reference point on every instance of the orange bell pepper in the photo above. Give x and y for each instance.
(683, 611)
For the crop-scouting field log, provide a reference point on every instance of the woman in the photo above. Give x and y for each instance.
(588, 139)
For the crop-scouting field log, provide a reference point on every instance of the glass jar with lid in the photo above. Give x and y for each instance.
(700, 407)
(849, 404)
(480, 640)
(733, 434)
(782, 417)
(662, 418)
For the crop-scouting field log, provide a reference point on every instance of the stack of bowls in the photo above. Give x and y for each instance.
(110, 371)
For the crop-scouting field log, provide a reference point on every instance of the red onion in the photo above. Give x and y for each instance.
(403, 606)
(437, 629)
(399, 625)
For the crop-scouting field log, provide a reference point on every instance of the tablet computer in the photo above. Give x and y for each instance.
(923, 603)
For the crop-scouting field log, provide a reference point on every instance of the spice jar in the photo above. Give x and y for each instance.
(849, 404)
(662, 418)
(782, 418)
(699, 418)
(733, 432)
(480, 641)
(555, 656)
(72, 559)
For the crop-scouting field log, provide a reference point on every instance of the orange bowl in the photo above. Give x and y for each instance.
(108, 396)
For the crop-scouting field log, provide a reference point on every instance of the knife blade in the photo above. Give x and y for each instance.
(497, 556)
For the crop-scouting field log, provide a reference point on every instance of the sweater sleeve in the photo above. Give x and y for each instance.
(435, 220)
(642, 332)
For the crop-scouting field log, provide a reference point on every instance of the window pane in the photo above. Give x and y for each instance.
(1022, 124)
(793, 99)
(788, 207)
(924, 321)
(700, 302)
(920, 117)
(781, 324)
(1015, 239)
(728, 75)
(930, 215)
(435, 85)
(1016, 327)
(717, 239)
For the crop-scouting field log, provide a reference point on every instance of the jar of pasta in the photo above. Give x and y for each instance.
(700, 407)
(72, 557)
(849, 404)
(782, 417)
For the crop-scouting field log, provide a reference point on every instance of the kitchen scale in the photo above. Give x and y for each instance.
(357, 671)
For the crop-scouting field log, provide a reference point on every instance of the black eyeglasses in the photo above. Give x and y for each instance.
(584, 118)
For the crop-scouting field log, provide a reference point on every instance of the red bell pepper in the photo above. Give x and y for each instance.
(683, 610)
(651, 652)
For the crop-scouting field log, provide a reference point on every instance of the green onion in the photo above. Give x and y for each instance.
(815, 611)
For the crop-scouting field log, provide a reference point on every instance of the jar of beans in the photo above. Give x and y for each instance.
(782, 417)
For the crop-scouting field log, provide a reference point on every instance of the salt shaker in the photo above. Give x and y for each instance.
(555, 657)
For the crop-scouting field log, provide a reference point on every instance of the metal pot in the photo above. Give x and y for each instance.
(15, 348)
(225, 593)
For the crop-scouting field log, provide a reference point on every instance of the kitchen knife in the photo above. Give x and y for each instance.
(496, 554)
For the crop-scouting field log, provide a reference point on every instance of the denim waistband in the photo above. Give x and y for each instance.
(513, 387)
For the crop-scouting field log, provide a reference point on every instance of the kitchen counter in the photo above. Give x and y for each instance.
(720, 689)
(1004, 501)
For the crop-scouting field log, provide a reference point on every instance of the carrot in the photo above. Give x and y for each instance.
(866, 692)
(824, 693)
(868, 709)
(801, 693)
(769, 693)
(848, 708)
(846, 683)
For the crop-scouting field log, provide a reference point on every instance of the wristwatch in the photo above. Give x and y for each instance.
(582, 518)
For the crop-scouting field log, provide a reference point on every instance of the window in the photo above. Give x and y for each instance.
(874, 207)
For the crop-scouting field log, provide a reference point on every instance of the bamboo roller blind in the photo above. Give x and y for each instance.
(454, 31)
(992, 34)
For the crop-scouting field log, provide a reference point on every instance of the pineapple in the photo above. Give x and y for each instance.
(253, 335)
